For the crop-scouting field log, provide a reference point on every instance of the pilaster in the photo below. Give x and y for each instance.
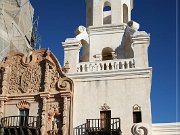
(71, 53)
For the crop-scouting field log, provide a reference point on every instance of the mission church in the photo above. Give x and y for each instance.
(103, 88)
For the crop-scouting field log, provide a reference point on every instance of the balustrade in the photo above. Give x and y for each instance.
(21, 121)
(111, 124)
(108, 65)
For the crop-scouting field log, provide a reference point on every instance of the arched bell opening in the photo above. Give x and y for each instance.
(107, 13)
(125, 13)
(107, 53)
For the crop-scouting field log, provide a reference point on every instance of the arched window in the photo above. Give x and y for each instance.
(107, 53)
(107, 13)
(125, 13)
(23, 107)
(137, 116)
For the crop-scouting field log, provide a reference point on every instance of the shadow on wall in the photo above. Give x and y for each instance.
(124, 50)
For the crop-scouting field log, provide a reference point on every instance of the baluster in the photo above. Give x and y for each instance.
(94, 69)
(85, 67)
(102, 66)
(82, 68)
(117, 66)
(113, 65)
(107, 65)
(123, 65)
(98, 66)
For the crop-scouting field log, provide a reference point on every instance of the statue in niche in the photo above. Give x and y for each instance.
(53, 115)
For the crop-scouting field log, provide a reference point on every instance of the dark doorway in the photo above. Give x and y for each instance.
(137, 118)
(105, 117)
(24, 113)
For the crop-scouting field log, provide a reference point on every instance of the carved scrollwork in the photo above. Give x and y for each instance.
(64, 84)
(105, 107)
(54, 77)
(24, 79)
(31, 73)
(141, 129)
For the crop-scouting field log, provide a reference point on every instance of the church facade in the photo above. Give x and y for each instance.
(112, 78)
(103, 88)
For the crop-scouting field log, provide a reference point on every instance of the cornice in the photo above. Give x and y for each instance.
(112, 75)
(108, 29)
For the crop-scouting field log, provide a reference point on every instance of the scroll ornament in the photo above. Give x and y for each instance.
(141, 129)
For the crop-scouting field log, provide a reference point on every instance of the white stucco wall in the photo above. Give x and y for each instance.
(119, 90)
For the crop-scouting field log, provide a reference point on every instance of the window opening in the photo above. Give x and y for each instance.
(24, 113)
(137, 116)
(107, 53)
(107, 13)
(125, 13)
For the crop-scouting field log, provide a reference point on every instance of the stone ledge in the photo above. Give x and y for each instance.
(112, 75)
(166, 129)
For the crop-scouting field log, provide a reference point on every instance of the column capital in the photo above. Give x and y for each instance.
(71, 44)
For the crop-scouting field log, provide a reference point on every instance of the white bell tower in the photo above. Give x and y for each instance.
(107, 20)
(102, 12)
(112, 77)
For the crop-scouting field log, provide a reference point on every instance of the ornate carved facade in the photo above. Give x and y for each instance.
(36, 85)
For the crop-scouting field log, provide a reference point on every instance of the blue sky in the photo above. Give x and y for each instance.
(59, 18)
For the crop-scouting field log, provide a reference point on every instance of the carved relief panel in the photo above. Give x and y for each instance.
(39, 77)
(24, 78)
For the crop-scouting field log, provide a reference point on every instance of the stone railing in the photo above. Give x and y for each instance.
(108, 65)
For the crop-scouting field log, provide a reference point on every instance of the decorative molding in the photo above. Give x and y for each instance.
(23, 105)
(104, 107)
(112, 75)
(39, 71)
(93, 30)
(136, 108)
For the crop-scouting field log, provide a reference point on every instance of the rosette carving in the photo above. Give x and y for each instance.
(141, 129)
